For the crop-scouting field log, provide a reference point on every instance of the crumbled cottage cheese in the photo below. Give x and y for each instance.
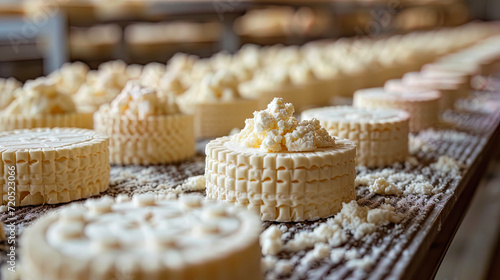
(270, 240)
(381, 186)
(355, 220)
(140, 101)
(359, 221)
(222, 86)
(195, 183)
(39, 97)
(275, 129)
(446, 164)
(407, 183)
(9, 88)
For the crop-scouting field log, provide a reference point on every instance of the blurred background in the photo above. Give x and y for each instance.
(38, 36)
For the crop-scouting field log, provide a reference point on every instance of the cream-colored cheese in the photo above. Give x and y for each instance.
(144, 129)
(92, 95)
(276, 129)
(358, 221)
(195, 183)
(381, 186)
(139, 101)
(41, 105)
(285, 186)
(271, 82)
(222, 86)
(54, 165)
(422, 107)
(9, 90)
(41, 97)
(270, 241)
(216, 105)
(70, 77)
(144, 238)
(381, 135)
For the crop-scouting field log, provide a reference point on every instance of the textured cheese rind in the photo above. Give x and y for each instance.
(381, 135)
(80, 120)
(107, 240)
(422, 107)
(156, 139)
(285, 187)
(54, 165)
(215, 119)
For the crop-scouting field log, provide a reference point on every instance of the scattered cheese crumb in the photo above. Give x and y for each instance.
(195, 183)
(270, 241)
(381, 186)
(446, 164)
(268, 263)
(284, 267)
(357, 220)
(420, 188)
(364, 263)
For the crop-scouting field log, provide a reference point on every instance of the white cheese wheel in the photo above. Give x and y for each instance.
(215, 119)
(80, 120)
(285, 186)
(143, 238)
(381, 135)
(53, 165)
(423, 107)
(154, 140)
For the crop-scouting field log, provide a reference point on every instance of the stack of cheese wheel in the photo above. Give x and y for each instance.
(293, 173)
(143, 129)
(423, 107)
(380, 134)
(49, 166)
(143, 238)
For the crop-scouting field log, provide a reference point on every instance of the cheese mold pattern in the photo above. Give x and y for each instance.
(381, 135)
(53, 165)
(145, 237)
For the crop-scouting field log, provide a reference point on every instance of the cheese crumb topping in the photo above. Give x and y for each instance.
(9, 88)
(39, 97)
(276, 129)
(139, 101)
(222, 86)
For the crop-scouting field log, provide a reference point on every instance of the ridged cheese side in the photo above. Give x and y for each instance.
(291, 186)
(12, 122)
(156, 139)
(423, 107)
(53, 165)
(381, 135)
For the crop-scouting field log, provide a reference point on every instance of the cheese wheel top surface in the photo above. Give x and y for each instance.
(411, 96)
(176, 231)
(353, 114)
(47, 138)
